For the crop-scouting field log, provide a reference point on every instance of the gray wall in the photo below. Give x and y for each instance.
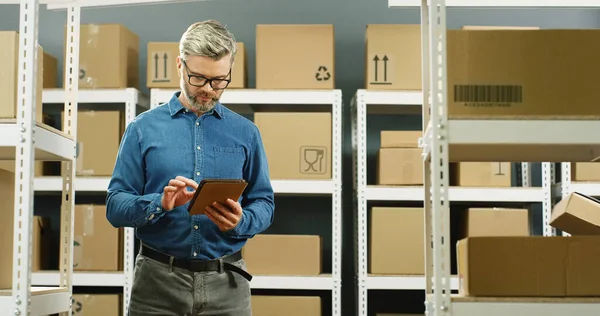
(167, 22)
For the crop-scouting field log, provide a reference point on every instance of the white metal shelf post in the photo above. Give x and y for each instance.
(436, 171)
(333, 187)
(71, 71)
(25, 155)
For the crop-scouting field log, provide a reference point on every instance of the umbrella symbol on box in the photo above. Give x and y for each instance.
(312, 159)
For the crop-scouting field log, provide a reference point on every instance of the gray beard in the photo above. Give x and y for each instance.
(196, 105)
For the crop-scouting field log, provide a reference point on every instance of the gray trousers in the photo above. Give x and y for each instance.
(159, 289)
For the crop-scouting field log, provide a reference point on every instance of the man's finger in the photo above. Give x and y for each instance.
(188, 182)
(176, 183)
(217, 218)
(226, 212)
(219, 215)
(234, 206)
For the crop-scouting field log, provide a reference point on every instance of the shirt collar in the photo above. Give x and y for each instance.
(176, 107)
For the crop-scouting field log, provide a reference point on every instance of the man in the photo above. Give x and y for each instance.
(191, 265)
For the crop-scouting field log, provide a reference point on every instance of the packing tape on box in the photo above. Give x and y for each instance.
(88, 221)
(93, 39)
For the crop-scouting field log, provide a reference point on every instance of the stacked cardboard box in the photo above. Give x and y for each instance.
(482, 174)
(96, 305)
(295, 56)
(39, 241)
(97, 245)
(400, 160)
(108, 57)
(298, 145)
(97, 152)
(585, 171)
(295, 255)
(274, 305)
(396, 241)
(537, 266)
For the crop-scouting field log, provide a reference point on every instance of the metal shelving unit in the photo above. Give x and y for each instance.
(442, 135)
(24, 140)
(132, 102)
(367, 102)
(250, 100)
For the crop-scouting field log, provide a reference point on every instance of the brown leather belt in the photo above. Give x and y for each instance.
(219, 265)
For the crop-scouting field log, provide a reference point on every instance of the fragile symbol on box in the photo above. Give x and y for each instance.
(161, 67)
(380, 69)
(312, 159)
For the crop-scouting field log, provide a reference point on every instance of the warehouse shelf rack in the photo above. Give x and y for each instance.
(257, 100)
(367, 102)
(48, 144)
(131, 101)
(444, 136)
(24, 140)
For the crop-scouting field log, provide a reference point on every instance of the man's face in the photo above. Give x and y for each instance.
(203, 99)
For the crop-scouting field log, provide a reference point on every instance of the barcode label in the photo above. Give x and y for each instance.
(488, 93)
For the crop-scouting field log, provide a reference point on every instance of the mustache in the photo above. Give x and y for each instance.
(204, 95)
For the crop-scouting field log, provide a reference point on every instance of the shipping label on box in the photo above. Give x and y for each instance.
(296, 56)
(393, 57)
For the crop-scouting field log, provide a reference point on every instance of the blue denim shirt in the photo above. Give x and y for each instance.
(169, 141)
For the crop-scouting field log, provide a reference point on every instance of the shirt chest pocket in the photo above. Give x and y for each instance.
(228, 162)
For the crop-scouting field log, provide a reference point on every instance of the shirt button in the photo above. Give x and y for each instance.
(198, 147)
(197, 123)
(198, 173)
(195, 254)
(158, 208)
(196, 227)
(150, 217)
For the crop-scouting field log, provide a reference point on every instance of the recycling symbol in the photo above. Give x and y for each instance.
(322, 74)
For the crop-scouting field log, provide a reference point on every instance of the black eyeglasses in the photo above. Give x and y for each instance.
(200, 81)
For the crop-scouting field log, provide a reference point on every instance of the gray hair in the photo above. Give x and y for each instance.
(207, 39)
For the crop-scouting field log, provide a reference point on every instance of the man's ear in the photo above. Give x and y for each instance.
(179, 66)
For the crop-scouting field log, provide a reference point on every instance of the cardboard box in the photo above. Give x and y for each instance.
(496, 222)
(274, 305)
(97, 152)
(532, 266)
(96, 305)
(50, 71)
(400, 139)
(396, 241)
(39, 239)
(108, 57)
(298, 145)
(295, 255)
(400, 166)
(483, 174)
(585, 171)
(393, 57)
(577, 214)
(9, 81)
(295, 56)
(496, 73)
(97, 244)
(162, 66)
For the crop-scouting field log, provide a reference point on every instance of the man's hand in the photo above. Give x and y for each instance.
(225, 216)
(176, 193)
